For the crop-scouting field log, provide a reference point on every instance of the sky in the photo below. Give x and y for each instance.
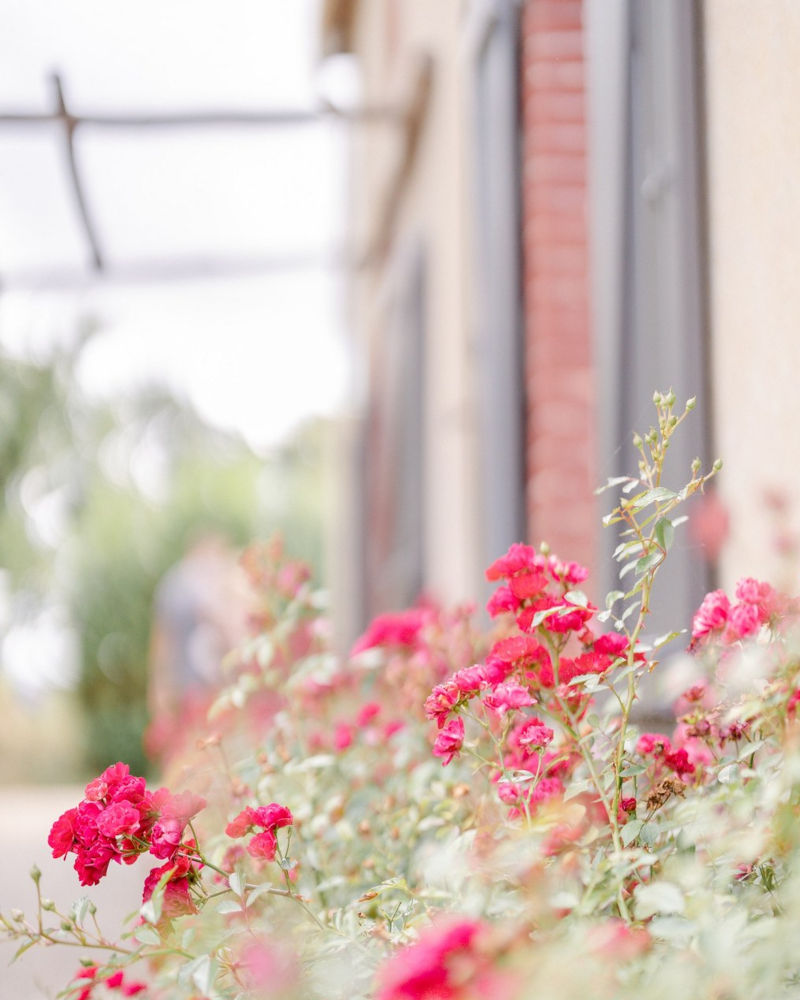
(251, 332)
(250, 218)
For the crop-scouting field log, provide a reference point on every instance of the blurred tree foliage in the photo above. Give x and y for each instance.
(101, 499)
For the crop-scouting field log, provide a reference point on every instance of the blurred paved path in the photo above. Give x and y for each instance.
(26, 815)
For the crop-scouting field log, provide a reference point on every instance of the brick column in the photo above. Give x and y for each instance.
(558, 366)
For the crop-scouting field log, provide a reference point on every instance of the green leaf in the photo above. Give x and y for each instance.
(632, 770)
(612, 597)
(648, 562)
(219, 705)
(80, 908)
(265, 651)
(22, 949)
(657, 495)
(590, 682)
(229, 906)
(540, 616)
(314, 763)
(657, 898)
(631, 831)
(648, 834)
(145, 934)
(236, 882)
(676, 929)
(519, 774)
(662, 640)
(625, 547)
(577, 788)
(614, 481)
(665, 533)
(261, 890)
(749, 749)
(201, 972)
(577, 597)
(150, 911)
(564, 900)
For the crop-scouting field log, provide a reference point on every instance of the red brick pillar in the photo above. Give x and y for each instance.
(558, 365)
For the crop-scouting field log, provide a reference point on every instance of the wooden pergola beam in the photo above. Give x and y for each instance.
(62, 115)
(71, 121)
(338, 18)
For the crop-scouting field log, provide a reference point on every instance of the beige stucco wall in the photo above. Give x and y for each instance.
(433, 207)
(752, 57)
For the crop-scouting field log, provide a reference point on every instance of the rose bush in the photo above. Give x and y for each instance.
(450, 813)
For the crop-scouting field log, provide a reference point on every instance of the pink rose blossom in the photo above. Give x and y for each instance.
(653, 744)
(441, 700)
(611, 644)
(547, 788)
(263, 845)
(469, 680)
(241, 823)
(445, 964)
(449, 740)
(273, 816)
(131, 989)
(177, 899)
(119, 819)
(342, 736)
(502, 602)
(743, 621)
(62, 834)
(267, 968)
(529, 585)
(678, 761)
(571, 573)
(507, 697)
(712, 614)
(518, 558)
(617, 940)
(534, 735)
(367, 713)
(393, 629)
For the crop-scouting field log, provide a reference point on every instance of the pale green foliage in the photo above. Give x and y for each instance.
(690, 892)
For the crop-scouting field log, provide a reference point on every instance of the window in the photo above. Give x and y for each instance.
(647, 252)
(498, 338)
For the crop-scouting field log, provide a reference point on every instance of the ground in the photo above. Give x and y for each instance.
(26, 815)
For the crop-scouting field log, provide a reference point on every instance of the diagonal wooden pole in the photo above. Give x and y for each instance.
(70, 124)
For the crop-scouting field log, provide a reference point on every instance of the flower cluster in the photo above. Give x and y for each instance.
(266, 969)
(529, 591)
(368, 725)
(659, 749)
(90, 976)
(119, 819)
(757, 604)
(176, 877)
(266, 820)
(400, 628)
(451, 961)
(527, 668)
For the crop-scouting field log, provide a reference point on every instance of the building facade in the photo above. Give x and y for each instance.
(549, 225)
